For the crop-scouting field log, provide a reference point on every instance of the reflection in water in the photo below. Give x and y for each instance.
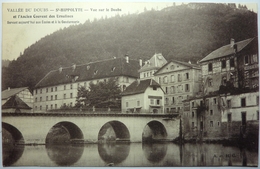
(154, 152)
(65, 155)
(126, 154)
(11, 153)
(114, 152)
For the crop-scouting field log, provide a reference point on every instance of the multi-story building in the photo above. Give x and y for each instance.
(59, 87)
(227, 107)
(143, 96)
(151, 66)
(233, 65)
(180, 81)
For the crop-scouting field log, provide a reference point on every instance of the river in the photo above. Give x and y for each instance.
(129, 154)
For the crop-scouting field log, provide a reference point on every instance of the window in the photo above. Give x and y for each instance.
(173, 89)
(56, 97)
(211, 112)
(166, 89)
(47, 98)
(40, 91)
(144, 74)
(51, 106)
(254, 59)
(232, 62)
(229, 117)
(36, 99)
(246, 59)
(64, 96)
(187, 76)
(211, 123)
(52, 89)
(179, 77)
(55, 106)
(257, 115)
(257, 100)
(215, 101)
(229, 103)
(160, 80)
(71, 86)
(192, 114)
(40, 107)
(46, 107)
(56, 88)
(46, 90)
(64, 87)
(151, 101)
(172, 67)
(224, 80)
(127, 80)
(126, 104)
(70, 95)
(210, 67)
(36, 91)
(173, 100)
(192, 124)
(223, 64)
(192, 104)
(40, 99)
(210, 82)
(35, 107)
(165, 79)
(187, 88)
(154, 88)
(172, 78)
(51, 97)
(243, 102)
(138, 103)
(166, 100)
(158, 102)
(218, 123)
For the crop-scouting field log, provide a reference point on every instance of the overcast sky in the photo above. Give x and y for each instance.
(17, 37)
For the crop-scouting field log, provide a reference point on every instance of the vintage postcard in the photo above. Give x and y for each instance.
(130, 84)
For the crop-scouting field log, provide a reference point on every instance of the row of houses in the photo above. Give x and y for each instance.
(221, 93)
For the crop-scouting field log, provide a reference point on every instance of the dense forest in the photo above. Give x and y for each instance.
(185, 32)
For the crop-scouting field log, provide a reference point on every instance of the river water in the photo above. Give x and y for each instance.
(129, 154)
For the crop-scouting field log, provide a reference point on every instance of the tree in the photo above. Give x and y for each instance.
(105, 94)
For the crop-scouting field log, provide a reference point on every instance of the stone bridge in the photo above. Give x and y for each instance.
(33, 128)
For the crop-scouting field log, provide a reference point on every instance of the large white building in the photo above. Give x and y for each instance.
(59, 87)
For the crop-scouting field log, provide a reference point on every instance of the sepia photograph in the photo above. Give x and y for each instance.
(130, 84)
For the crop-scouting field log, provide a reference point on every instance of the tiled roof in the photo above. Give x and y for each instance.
(179, 62)
(156, 61)
(16, 103)
(227, 50)
(138, 87)
(10, 92)
(94, 70)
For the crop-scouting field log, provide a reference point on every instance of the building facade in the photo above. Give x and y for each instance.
(143, 96)
(151, 66)
(228, 105)
(180, 81)
(59, 87)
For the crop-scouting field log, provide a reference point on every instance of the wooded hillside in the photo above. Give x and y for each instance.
(186, 32)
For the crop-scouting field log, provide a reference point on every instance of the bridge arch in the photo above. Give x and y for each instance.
(64, 132)
(154, 131)
(114, 130)
(17, 136)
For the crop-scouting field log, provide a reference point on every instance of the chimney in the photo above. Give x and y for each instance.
(127, 58)
(232, 42)
(140, 62)
(73, 67)
(138, 81)
(60, 69)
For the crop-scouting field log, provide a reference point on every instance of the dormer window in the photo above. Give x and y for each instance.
(172, 67)
(113, 69)
(95, 72)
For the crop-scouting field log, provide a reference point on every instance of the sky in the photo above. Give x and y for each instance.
(18, 36)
